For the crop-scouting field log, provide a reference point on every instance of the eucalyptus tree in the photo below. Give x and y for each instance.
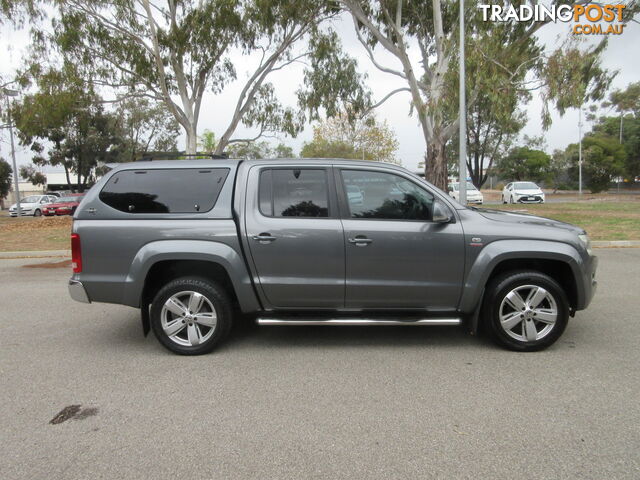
(422, 38)
(364, 138)
(144, 126)
(177, 52)
(66, 125)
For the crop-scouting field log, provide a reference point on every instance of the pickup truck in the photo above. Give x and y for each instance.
(196, 243)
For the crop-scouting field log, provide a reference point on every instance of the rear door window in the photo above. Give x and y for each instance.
(294, 192)
(188, 190)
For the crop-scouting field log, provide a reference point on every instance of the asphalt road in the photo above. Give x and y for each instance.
(321, 402)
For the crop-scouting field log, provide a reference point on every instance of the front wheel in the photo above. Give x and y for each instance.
(525, 311)
(191, 315)
(37, 213)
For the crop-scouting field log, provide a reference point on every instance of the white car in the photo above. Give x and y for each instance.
(522, 192)
(473, 194)
(32, 205)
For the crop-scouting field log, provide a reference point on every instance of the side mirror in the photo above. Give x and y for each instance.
(441, 213)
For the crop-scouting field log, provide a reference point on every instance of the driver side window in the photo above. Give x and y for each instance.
(385, 196)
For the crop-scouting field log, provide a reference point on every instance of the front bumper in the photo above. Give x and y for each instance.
(24, 213)
(531, 199)
(77, 291)
(591, 284)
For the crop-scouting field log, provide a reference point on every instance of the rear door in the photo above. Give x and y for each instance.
(295, 237)
(397, 256)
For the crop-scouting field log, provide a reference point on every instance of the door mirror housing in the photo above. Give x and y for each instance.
(441, 213)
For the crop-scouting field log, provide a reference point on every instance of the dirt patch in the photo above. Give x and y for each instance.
(75, 412)
(62, 264)
(27, 224)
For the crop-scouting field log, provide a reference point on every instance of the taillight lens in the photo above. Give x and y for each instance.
(76, 253)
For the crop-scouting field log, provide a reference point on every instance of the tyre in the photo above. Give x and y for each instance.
(37, 213)
(503, 200)
(191, 315)
(525, 311)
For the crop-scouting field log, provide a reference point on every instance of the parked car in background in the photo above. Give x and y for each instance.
(64, 205)
(522, 192)
(473, 194)
(32, 205)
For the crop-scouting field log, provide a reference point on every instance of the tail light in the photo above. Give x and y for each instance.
(76, 253)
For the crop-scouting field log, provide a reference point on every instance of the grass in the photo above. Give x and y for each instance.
(602, 220)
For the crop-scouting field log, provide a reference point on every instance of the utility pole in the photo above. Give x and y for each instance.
(13, 93)
(580, 152)
(462, 184)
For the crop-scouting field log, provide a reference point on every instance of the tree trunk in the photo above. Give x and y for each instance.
(192, 139)
(66, 173)
(435, 168)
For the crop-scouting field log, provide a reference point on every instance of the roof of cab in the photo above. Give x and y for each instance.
(234, 162)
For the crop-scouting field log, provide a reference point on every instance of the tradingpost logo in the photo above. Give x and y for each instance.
(587, 19)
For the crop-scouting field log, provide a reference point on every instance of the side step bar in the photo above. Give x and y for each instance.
(358, 321)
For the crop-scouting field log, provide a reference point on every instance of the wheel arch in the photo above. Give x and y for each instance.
(558, 260)
(160, 262)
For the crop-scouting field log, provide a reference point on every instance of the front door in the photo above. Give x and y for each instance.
(396, 255)
(295, 237)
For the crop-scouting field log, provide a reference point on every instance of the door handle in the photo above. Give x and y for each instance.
(360, 241)
(264, 238)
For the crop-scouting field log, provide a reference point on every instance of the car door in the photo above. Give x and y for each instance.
(397, 254)
(295, 236)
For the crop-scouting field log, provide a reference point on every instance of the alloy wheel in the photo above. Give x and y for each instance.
(528, 313)
(188, 318)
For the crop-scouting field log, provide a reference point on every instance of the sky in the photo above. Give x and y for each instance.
(621, 56)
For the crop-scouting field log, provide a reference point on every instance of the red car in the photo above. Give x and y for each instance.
(64, 205)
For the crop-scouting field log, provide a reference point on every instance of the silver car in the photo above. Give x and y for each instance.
(31, 205)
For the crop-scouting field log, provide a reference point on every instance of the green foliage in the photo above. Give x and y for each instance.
(72, 121)
(524, 163)
(627, 100)
(208, 142)
(610, 126)
(17, 11)
(504, 62)
(32, 175)
(257, 150)
(144, 126)
(323, 148)
(602, 158)
(574, 76)
(332, 83)
(626, 127)
(364, 139)
(6, 173)
(175, 52)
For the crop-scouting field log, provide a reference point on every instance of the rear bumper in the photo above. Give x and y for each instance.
(77, 291)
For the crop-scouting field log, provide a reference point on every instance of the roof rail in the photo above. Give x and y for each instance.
(149, 156)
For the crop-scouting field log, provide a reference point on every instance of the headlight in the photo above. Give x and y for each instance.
(584, 238)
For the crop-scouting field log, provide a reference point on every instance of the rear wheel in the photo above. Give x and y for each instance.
(191, 315)
(525, 311)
